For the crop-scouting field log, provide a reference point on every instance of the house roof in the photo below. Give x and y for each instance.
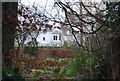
(56, 31)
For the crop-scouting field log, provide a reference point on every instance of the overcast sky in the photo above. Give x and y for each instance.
(47, 6)
(43, 2)
(40, 2)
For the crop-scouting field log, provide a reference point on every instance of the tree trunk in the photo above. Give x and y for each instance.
(9, 16)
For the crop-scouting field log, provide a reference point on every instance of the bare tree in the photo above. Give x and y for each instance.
(95, 24)
(32, 22)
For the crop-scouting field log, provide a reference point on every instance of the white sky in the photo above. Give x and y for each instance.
(40, 2)
(43, 2)
(48, 4)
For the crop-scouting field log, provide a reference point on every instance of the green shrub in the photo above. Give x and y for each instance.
(30, 50)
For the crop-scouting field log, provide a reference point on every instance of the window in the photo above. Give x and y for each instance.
(59, 37)
(43, 38)
(54, 37)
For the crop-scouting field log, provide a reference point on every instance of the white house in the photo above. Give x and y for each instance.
(50, 38)
(53, 37)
